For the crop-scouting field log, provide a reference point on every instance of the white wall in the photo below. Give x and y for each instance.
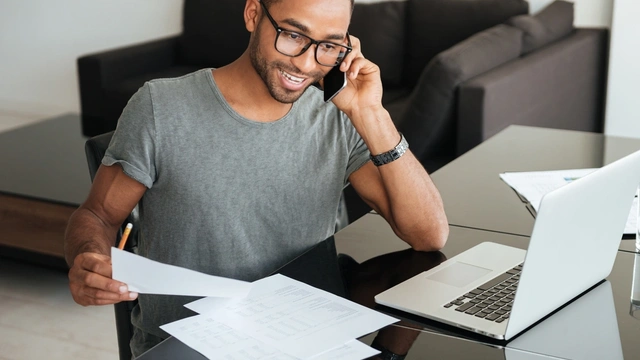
(623, 97)
(40, 41)
(588, 13)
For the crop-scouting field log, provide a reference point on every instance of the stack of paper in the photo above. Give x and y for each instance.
(275, 318)
(281, 318)
(532, 186)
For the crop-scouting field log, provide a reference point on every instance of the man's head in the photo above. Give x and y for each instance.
(276, 23)
(270, 2)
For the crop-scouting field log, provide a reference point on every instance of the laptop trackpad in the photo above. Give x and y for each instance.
(459, 274)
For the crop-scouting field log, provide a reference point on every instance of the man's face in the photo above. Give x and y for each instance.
(287, 77)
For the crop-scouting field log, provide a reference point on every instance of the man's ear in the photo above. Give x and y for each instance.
(251, 14)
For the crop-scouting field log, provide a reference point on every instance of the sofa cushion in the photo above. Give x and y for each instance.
(213, 33)
(436, 25)
(552, 23)
(380, 28)
(429, 123)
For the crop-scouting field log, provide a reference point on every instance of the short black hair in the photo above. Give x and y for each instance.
(267, 3)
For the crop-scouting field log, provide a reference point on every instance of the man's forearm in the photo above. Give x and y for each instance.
(415, 208)
(87, 233)
(415, 204)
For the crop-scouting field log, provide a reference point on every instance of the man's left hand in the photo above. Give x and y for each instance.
(364, 86)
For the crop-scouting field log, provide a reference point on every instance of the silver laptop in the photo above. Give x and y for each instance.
(498, 290)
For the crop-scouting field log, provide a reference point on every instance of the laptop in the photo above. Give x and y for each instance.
(499, 291)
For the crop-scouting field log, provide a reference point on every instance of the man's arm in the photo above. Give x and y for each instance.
(401, 191)
(91, 233)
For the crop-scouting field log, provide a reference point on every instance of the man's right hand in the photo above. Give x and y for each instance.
(91, 283)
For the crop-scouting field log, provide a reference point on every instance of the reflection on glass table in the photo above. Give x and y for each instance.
(634, 306)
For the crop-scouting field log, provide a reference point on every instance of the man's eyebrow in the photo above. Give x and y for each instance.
(305, 29)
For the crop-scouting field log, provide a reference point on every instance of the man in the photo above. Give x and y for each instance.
(237, 170)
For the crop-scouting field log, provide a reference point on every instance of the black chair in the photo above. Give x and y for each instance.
(95, 149)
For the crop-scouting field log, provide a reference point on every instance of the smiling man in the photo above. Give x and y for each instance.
(238, 170)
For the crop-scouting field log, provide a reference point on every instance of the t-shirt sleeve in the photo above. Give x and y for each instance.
(133, 144)
(358, 151)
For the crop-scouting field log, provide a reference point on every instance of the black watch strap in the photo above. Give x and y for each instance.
(386, 354)
(391, 155)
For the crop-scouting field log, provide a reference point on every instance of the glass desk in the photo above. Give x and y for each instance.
(595, 325)
(602, 323)
(470, 183)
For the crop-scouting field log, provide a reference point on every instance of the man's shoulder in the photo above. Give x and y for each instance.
(184, 81)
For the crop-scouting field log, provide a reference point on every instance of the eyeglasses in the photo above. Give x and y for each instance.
(294, 44)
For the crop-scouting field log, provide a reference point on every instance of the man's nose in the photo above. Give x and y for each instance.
(307, 61)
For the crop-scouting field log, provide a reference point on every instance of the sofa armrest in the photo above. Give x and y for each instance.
(96, 72)
(561, 86)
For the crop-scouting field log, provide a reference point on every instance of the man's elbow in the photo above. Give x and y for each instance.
(435, 241)
(431, 239)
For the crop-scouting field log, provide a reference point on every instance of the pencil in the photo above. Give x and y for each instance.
(125, 235)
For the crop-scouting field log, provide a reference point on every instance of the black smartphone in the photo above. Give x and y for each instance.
(334, 81)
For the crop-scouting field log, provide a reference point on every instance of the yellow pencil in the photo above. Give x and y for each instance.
(125, 235)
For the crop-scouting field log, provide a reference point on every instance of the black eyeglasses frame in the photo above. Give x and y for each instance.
(348, 48)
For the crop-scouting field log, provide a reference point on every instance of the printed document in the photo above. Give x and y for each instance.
(146, 276)
(291, 317)
(533, 185)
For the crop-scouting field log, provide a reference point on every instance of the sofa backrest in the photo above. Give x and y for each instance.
(434, 98)
(213, 34)
(436, 25)
(380, 27)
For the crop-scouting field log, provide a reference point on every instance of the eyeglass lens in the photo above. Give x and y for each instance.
(293, 44)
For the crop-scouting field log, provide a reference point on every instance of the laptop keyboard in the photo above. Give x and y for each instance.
(492, 300)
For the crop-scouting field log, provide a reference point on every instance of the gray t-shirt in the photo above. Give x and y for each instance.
(226, 195)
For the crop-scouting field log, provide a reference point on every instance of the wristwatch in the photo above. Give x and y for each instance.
(386, 354)
(391, 155)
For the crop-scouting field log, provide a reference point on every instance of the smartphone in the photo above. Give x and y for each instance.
(334, 82)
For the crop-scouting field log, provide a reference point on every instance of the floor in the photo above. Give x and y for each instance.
(38, 317)
(40, 320)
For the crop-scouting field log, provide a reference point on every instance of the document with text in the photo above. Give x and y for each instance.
(533, 185)
(291, 317)
(146, 276)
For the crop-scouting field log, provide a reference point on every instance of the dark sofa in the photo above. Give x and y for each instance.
(455, 72)
(451, 78)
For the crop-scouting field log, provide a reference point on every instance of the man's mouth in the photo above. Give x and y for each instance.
(295, 80)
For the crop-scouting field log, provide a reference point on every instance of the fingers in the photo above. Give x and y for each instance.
(355, 63)
(354, 54)
(91, 284)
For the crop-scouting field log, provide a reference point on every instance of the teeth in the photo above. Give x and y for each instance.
(291, 77)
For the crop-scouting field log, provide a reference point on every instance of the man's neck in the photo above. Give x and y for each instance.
(246, 93)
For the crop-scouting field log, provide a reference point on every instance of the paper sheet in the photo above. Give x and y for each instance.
(151, 277)
(533, 185)
(215, 340)
(292, 317)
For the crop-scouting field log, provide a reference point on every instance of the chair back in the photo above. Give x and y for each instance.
(95, 148)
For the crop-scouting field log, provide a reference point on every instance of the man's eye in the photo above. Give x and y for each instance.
(328, 46)
(293, 36)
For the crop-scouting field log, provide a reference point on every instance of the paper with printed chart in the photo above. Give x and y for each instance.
(146, 276)
(532, 185)
(280, 315)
